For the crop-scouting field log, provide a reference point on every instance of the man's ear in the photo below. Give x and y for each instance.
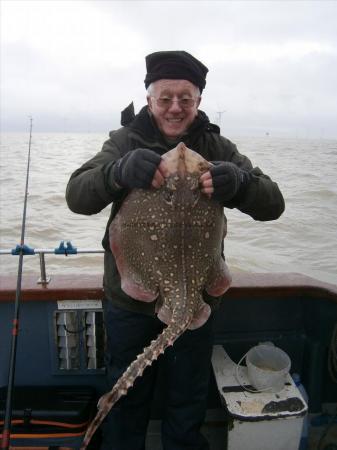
(149, 102)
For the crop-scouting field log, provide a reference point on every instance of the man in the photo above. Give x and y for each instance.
(131, 159)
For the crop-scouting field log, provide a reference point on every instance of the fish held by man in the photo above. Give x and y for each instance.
(167, 245)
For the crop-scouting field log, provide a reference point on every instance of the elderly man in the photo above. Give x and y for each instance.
(131, 159)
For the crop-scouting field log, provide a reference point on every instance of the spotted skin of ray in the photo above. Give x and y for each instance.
(167, 246)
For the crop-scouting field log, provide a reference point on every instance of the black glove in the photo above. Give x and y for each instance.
(136, 169)
(228, 181)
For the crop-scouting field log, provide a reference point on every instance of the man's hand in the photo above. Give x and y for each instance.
(223, 181)
(140, 168)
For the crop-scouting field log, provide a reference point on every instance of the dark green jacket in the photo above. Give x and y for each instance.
(91, 188)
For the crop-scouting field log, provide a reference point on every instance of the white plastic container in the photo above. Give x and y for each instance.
(268, 367)
(251, 423)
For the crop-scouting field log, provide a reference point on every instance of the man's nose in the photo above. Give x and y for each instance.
(175, 107)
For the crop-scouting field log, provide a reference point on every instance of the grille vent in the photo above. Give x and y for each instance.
(94, 331)
(68, 340)
(80, 340)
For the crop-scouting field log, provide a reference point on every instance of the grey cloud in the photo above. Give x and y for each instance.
(259, 86)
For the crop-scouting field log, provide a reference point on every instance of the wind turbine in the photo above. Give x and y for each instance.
(220, 117)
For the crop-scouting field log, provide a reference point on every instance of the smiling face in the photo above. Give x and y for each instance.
(174, 105)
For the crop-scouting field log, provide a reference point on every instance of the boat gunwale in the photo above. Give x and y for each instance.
(87, 287)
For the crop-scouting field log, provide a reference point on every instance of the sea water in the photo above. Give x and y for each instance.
(303, 239)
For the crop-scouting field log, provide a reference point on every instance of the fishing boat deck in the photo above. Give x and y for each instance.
(297, 313)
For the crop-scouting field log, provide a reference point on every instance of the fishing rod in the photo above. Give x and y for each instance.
(15, 326)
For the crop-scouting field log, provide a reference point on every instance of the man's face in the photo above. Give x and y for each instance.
(174, 105)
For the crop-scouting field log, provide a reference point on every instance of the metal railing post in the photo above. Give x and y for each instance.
(62, 249)
(43, 278)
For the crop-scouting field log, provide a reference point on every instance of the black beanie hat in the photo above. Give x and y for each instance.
(175, 65)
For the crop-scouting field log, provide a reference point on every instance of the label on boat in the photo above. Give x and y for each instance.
(79, 304)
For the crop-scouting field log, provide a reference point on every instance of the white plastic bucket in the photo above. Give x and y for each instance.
(267, 367)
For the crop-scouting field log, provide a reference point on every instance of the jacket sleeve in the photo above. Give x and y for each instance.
(262, 198)
(90, 188)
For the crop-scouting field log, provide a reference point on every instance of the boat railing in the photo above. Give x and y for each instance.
(64, 248)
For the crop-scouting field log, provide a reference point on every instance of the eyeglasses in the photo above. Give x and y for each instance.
(167, 102)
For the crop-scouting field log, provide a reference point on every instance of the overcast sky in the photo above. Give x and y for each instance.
(74, 65)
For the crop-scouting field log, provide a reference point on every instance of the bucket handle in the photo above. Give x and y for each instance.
(236, 374)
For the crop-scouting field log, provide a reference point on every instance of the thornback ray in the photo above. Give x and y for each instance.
(167, 245)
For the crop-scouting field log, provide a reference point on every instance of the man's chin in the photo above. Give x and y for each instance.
(173, 132)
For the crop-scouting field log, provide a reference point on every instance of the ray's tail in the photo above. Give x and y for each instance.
(135, 370)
